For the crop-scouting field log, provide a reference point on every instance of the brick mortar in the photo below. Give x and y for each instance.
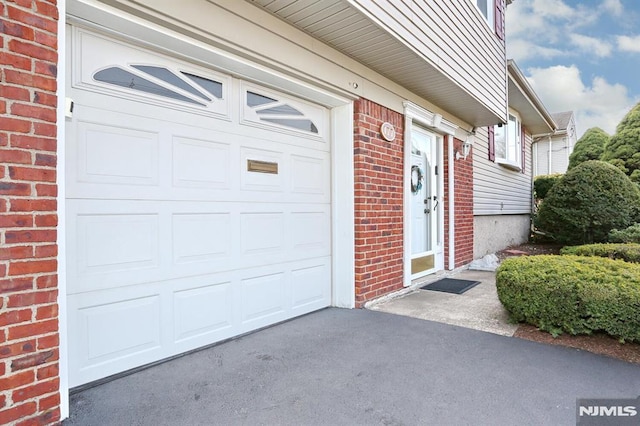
(29, 372)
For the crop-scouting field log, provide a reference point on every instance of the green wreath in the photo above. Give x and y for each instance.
(416, 184)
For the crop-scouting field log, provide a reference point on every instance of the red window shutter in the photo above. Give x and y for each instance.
(499, 18)
(523, 146)
(492, 144)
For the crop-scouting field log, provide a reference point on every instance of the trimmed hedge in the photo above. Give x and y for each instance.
(587, 203)
(543, 183)
(626, 252)
(572, 294)
(628, 235)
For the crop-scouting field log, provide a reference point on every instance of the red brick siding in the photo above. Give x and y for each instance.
(29, 348)
(378, 202)
(463, 206)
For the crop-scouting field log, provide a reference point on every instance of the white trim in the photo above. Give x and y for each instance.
(444, 130)
(451, 205)
(343, 207)
(61, 210)
(429, 119)
(490, 19)
(406, 201)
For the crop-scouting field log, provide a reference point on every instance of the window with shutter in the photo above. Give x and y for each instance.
(507, 141)
(499, 18)
(492, 144)
(523, 148)
(487, 8)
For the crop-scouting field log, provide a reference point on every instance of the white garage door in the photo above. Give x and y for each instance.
(198, 207)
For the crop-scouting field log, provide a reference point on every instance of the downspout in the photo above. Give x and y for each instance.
(549, 153)
(452, 233)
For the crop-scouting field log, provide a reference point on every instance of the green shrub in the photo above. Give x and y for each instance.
(572, 294)
(542, 184)
(629, 235)
(589, 147)
(626, 252)
(587, 203)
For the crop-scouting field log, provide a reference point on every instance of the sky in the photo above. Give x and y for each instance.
(581, 56)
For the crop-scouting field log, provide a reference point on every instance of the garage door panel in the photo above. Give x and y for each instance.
(263, 299)
(113, 333)
(199, 163)
(261, 170)
(262, 232)
(118, 242)
(117, 155)
(310, 231)
(203, 312)
(308, 175)
(308, 292)
(213, 231)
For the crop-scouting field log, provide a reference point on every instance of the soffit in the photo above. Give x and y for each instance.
(345, 28)
(523, 99)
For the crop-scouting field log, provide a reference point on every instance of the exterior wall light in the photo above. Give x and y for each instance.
(465, 148)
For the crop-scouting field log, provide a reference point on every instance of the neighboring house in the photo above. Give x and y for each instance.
(551, 152)
(177, 173)
(502, 179)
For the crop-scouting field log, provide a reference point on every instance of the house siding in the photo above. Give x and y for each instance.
(454, 37)
(498, 190)
(29, 341)
(378, 171)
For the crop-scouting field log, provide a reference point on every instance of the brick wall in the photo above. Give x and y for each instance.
(29, 383)
(378, 202)
(463, 206)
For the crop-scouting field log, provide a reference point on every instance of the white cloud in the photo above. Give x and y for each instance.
(629, 44)
(521, 50)
(614, 7)
(554, 8)
(561, 89)
(591, 44)
(551, 23)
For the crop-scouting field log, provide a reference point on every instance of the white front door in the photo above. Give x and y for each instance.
(425, 202)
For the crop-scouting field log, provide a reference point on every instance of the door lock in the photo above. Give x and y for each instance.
(426, 211)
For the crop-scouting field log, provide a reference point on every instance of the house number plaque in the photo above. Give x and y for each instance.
(388, 131)
(258, 166)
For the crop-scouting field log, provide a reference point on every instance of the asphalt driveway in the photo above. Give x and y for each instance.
(361, 367)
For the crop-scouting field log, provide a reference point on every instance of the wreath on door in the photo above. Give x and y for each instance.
(416, 179)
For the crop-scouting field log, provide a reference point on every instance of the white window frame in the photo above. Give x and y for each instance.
(488, 15)
(512, 151)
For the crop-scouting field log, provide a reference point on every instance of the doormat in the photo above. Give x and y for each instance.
(450, 285)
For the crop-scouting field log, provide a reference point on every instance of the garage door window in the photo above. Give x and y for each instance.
(277, 112)
(167, 83)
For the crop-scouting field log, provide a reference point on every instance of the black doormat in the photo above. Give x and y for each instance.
(450, 285)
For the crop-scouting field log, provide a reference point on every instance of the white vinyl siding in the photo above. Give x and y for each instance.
(552, 156)
(454, 37)
(498, 190)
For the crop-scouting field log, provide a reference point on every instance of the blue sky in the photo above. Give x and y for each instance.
(579, 55)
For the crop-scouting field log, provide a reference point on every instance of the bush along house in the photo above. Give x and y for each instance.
(178, 173)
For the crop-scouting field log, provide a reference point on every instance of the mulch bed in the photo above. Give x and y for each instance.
(597, 343)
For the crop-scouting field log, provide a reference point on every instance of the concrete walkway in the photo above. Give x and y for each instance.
(477, 308)
(349, 367)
